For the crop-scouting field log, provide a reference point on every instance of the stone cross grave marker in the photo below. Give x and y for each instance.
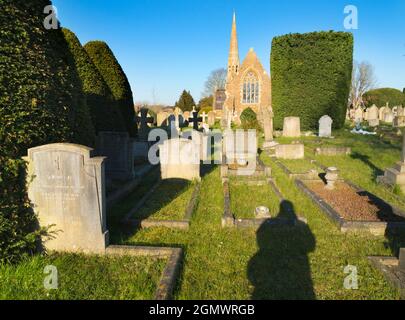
(195, 119)
(144, 120)
(67, 189)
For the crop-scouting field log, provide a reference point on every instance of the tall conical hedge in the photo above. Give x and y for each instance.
(114, 76)
(104, 114)
(311, 77)
(41, 101)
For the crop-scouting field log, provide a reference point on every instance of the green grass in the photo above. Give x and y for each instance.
(243, 205)
(274, 262)
(168, 202)
(82, 278)
(299, 166)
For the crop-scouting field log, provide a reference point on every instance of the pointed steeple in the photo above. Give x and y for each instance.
(233, 60)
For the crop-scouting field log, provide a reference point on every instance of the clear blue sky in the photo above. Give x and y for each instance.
(165, 46)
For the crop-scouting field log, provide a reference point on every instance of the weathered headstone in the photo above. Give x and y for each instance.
(118, 148)
(358, 115)
(388, 115)
(373, 116)
(399, 122)
(325, 126)
(292, 127)
(179, 159)
(67, 189)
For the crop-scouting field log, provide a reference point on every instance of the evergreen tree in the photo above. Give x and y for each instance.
(115, 77)
(186, 101)
(104, 114)
(41, 101)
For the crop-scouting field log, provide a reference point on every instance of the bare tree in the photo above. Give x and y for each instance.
(363, 80)
(215, 81)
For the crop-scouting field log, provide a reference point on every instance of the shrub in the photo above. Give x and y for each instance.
(380, 97)
(108, 66)
(249, 120)
(311, 76)
(104, 114)
(41, 101)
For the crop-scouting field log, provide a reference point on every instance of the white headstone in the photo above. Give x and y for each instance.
(325, 126)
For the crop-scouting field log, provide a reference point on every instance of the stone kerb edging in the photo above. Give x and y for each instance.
(171, 271)
(183, 224)
(374, 227)
(228, 218)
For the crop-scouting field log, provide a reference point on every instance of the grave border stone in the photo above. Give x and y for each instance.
(229, 219)
(183, 224)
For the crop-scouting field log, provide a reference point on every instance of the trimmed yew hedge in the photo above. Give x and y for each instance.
(105, 115)
(117, 81)
(380, 97)
(41, 101)
(311, 76)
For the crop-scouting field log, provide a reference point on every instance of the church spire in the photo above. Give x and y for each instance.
(233, 60)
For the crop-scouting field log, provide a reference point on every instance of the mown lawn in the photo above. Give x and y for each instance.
(242, 205)
(82, 277)
(274, 262)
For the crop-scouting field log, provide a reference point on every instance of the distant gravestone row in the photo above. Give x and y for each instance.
(374, 115)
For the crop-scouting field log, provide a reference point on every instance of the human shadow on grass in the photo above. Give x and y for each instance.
(280, 270)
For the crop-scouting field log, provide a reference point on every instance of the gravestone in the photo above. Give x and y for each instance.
(204, 117)
(211, 118)
(267, 115)
(325, 126)
(358, 115)
(202, 142)
(239, 144)
(179, 159)
(388, 115)
(292, 127)
(290, 151)
(373, 116)
(396, 175)
(399, 122)
(67, 190)
(118, 148)
(381, 113)
(144, 119)
(162, 119)
(195, 120)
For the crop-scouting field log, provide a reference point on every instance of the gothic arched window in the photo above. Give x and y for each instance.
(251, 89)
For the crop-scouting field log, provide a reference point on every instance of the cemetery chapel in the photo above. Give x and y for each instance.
(248, 84)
